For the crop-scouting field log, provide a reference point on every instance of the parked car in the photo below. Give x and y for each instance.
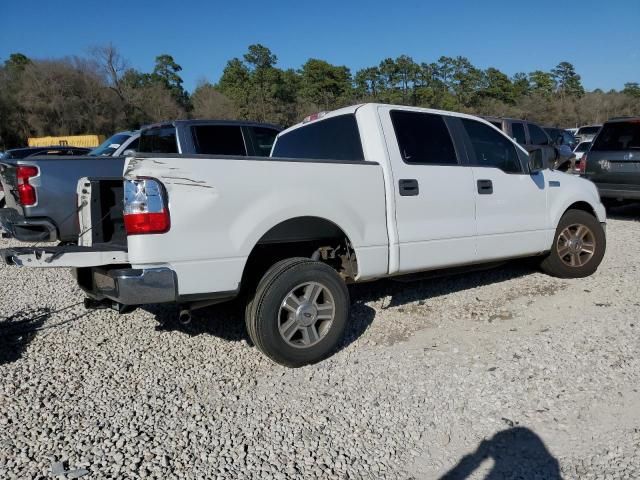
(530, 136)
(579, 152)
(560, 137)
(361, 193)
(587, 133)
(581, 149)
(29, 152)
(613, 161)
(42, 205)
(117, 144)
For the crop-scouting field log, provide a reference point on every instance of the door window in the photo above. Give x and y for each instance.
(219, 140)
(517, 129)
(491, 148)
(423, 138)
(264, 138)
(538, 137)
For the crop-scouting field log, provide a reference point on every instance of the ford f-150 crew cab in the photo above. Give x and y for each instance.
(361, 193)
(41, 198)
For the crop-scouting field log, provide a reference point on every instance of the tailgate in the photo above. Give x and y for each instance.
(102, 239)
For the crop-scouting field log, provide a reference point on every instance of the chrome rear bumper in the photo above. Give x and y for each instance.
(129, 286)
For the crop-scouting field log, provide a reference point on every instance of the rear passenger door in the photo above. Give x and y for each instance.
(433, 192)
(511, 204)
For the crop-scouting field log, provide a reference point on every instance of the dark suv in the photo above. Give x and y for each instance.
(530, 136)
(613, 161)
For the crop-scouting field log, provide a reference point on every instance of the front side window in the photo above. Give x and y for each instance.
(538, 137)
(491, 148)
(423, 138)
(517, 129)
(335, 138)
(219, 140)
(158, 140)
(618, 136)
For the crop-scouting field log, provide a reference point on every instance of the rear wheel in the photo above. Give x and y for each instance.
(578, 246)
(299, 312)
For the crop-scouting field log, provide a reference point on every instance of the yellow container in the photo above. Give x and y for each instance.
(88, 141)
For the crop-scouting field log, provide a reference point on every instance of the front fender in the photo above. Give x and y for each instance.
(572, 190)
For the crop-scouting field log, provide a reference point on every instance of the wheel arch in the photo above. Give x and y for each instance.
(302, 236)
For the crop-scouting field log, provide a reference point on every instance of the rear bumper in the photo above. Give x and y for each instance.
(25, 229)
(129, 286)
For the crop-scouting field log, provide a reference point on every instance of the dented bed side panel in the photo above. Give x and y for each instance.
(221, 207)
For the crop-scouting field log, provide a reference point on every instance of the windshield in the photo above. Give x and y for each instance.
(583, 147)
(110, 145)
(588, 130)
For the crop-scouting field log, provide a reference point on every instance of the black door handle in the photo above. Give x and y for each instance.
(485, 187)
(408, 187)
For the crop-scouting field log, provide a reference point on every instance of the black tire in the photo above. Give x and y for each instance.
(559, 265)
(264, 315)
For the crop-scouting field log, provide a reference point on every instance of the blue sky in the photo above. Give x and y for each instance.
(601, 38)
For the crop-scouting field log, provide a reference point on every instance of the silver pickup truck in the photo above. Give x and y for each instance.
(41, 198)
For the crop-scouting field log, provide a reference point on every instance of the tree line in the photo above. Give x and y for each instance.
(102, 93)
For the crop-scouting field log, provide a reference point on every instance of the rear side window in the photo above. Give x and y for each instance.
(498, 125)
(491, 148)
(538, 137)
(263, 139)
(219, 140)
(517, 129)
(336, 138)
(158, 140)
(423, 138)
(618, 136)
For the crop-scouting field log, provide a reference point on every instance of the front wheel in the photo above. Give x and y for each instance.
(578, 246)
(299, 312)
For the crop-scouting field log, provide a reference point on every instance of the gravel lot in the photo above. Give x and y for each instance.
(506, 370)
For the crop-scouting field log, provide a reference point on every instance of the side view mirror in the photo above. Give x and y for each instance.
(536, 162)
(129, 152)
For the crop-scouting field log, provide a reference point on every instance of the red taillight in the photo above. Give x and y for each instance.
(145, 207)
(583, 164)
(141, 223)
(26, 192)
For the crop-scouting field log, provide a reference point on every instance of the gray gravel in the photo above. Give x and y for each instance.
(507, 369)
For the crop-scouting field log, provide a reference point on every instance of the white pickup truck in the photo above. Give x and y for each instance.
(361, 193)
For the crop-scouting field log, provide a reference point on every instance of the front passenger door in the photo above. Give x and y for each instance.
(511, 204)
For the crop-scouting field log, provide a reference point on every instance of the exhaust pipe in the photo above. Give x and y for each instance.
(184, 317)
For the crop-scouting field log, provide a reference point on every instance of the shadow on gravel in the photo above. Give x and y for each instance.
(516, 453)
(17, 330)
(406, 289)
(630, 211)
(226, 320)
